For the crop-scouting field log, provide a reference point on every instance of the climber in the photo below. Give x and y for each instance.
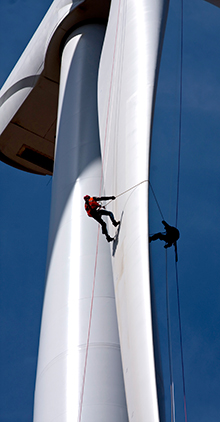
(171, 236)
(96, 211)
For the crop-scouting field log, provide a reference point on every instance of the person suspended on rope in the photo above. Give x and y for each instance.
(95, 210)
(171, 236)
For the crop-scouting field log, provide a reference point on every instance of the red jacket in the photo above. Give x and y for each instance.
(91, 205)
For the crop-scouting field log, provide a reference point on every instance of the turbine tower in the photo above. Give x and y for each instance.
(79, 105)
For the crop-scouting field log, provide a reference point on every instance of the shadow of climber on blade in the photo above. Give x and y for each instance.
(170, 236)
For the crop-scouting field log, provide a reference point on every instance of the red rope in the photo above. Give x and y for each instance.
(97, 243)
(89, 328)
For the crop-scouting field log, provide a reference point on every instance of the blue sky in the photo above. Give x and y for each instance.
(24, 218)
(25, 208)
(199, 204)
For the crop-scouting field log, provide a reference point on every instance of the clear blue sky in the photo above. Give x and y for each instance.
(25, 208)
(24, 218)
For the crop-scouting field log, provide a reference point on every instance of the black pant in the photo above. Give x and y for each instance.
(97, 216)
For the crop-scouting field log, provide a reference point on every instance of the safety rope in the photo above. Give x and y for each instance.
(123, 193)
(93, 285)
(177, 210)
(177, 207)
(156, 200)
(170, 346)
(176, 265)
(180, 115)
(181, 341)
(89, 328)
(97, 243)
(135, 186)
(172, 397)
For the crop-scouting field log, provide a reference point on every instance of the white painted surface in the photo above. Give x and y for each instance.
(71, 261)
(25, 74)
(126, 86)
